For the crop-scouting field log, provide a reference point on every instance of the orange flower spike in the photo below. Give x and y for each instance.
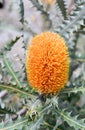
(47, 63)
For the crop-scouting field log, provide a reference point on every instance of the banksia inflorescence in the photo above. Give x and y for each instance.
(47, 63)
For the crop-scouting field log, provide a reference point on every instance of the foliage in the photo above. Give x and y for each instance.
(21, 108)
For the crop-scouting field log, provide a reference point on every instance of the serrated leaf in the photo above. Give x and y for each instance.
(11, 71)
(58, 17)
(38, 6)
(21, 11)
(72, 120)
(9, 45)
(18, 124)
(16, 82)
(43, 11)
(74, 90)
(61, 4)
(12, 88)
(73, 22)
(14, 75)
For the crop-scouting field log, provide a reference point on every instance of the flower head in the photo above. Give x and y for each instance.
(47, 63)
(50, 2)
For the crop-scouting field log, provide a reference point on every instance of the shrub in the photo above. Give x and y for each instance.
(54, 104)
